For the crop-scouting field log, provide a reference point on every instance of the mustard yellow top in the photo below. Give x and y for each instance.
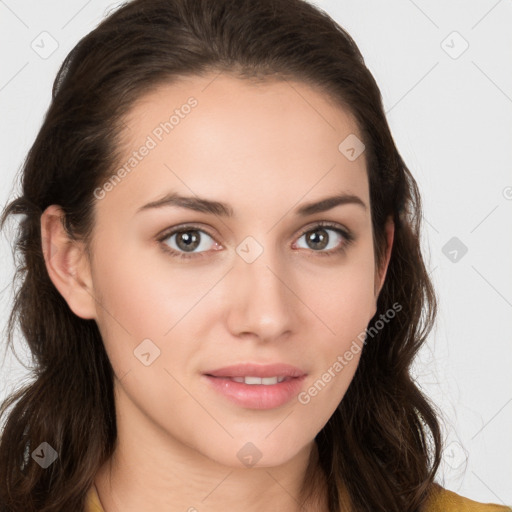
(92, 502)
(444, 501)
(449, 501)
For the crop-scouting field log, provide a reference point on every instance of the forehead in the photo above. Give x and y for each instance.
(217, 135)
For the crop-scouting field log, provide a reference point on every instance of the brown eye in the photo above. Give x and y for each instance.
(187, 240)
(326, 239)
(317, 239)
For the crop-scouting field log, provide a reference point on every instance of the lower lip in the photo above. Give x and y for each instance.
(257, 396)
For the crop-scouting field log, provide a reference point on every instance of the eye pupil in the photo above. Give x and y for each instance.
(191, 241)
(319, 242)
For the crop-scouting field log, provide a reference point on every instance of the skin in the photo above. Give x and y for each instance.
(265, 149)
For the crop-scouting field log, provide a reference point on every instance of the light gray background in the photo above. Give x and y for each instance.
(450, 113)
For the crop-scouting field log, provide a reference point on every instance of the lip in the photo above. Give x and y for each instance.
(257, 370)
(256, 396)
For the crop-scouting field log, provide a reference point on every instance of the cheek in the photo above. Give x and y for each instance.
(343, 304)
(342, 296)
(141, 297)
(144, 293)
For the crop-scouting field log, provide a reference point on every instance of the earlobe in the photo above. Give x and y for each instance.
(67, 264)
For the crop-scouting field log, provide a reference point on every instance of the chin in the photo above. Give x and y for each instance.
(259, 453)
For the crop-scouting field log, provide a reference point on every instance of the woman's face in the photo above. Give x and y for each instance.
(255, 282)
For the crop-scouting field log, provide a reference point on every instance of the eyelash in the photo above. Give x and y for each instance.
(347, 235)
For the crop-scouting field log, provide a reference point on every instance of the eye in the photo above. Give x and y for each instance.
(186, 240)
(319, 240)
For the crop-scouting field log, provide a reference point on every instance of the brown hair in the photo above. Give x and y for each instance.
(381, 448)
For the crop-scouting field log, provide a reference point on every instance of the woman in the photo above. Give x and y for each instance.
(222, 281)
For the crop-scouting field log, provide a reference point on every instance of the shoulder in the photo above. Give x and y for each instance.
(92, 501)
(443, 500)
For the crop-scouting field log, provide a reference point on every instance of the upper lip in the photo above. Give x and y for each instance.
(257, 370)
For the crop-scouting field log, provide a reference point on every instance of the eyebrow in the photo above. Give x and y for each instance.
(199, 204)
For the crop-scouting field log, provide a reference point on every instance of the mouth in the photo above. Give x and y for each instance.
(255, 386)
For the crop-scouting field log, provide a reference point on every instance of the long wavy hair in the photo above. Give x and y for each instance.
(381, 448)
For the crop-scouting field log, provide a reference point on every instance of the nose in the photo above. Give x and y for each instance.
(261, 301)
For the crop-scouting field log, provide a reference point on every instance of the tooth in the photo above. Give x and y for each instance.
(266, 381)
(252, 380)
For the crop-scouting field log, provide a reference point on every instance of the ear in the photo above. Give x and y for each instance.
(67, 264)
(380, 273)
